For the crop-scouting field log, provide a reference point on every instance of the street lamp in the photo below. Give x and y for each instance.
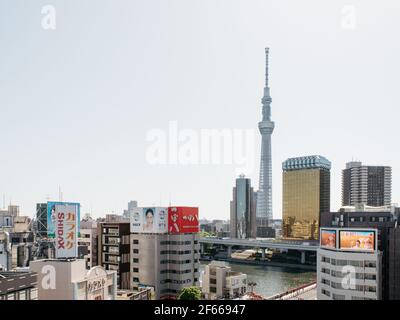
(252, 285)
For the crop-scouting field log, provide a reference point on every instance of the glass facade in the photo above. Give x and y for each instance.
(243, 210)
(306, 193)
(242, 207)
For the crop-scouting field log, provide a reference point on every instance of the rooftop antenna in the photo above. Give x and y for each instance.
(59, 194)
(169, 199)
(4, 200)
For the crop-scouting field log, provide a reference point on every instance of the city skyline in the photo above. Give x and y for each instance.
(96, 102)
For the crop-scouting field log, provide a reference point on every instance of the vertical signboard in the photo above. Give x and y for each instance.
(63, 225)
(183, 219)
(136, 216)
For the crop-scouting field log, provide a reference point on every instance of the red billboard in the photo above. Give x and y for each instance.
(183, 219)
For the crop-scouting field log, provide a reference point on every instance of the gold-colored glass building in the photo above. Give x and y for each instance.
(306, 194)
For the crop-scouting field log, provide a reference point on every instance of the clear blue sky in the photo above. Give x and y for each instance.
(76, 102)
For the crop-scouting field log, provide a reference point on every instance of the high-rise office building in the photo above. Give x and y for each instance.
(266, 127)
(370, 185)
(306, 193)
(165, 251)
(243, 210)
(166, 262)
(131, 205)
(394, 264)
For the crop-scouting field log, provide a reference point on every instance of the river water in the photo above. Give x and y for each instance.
(271, 280)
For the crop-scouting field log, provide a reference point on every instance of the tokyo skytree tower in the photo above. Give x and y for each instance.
(266, 127)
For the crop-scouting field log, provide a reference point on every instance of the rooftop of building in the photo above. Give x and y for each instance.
(365, 208)
(60, 260)
(235, 274)
(13, 274)
(219, 264)
(306, 162)
(358, 164)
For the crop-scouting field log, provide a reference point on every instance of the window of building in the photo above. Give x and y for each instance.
(325, 259)
(370, 264)
(370, 276)
(113, 231)
(370, 288)
(325, 270)
(326, 292)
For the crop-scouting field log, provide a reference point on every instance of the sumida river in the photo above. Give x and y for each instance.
(271, 280)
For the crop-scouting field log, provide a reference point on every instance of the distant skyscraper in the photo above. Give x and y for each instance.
(243, 211)
(266, 127)
(370, 185)
(131, 205)
(306, 194)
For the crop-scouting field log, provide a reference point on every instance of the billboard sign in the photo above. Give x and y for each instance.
(357, 240)
(136, 217)
(51, 217)
(149, 220)
(64, 220)
(183, 219)
(328, 238)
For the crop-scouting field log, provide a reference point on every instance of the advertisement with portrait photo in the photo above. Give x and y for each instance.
(328, 238)
(357, 240)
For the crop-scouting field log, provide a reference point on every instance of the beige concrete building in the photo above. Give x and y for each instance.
(166, 262)
(219, 281)
(68, 279)
(8, 215)
(88, 238)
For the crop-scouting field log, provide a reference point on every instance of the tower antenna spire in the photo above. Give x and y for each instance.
(266, 66)
(266, 127)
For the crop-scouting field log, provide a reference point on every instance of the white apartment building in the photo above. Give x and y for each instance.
(343, 275)
(219, 281)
